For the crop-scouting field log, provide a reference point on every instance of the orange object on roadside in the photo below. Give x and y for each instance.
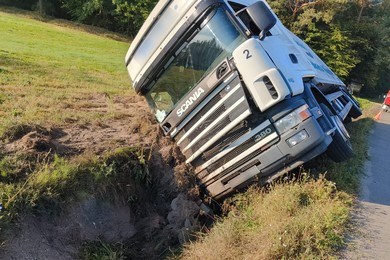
(378, 116)
(387, 99)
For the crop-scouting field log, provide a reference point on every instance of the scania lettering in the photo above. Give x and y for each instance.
(243, 98)
(189, 102)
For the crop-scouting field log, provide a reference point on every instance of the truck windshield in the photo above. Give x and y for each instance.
(214, 42)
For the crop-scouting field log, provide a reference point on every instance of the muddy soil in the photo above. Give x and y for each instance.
(132, 125)
(151, 228)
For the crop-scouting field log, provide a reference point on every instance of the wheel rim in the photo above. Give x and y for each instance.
(341, 128)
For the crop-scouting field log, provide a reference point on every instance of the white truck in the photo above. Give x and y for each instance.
(243, 97)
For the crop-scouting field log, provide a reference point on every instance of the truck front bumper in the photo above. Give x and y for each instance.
(275, 161)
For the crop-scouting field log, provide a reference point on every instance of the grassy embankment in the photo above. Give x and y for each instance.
(47, 75)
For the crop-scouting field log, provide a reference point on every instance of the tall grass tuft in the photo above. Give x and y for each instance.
(300, 220)
(99, 250)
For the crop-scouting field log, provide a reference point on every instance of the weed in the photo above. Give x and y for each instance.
(102, 251)
(14, 168)
(364, 103)
(3, 97)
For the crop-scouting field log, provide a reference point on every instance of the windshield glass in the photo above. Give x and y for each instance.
(214, 42)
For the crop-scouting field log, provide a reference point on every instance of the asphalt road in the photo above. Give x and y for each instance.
(372, 240)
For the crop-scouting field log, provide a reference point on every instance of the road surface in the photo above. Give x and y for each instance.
(372, 241)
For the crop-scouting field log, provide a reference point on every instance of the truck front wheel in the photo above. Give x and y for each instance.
(340, 149)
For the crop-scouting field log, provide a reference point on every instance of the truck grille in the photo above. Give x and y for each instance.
(224, 112)
(237, 153)
(223, 134)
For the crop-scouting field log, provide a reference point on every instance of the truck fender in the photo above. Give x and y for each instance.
(317, 97)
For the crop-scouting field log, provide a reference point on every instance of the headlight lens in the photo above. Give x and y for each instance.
(297, 138)
(292, 119)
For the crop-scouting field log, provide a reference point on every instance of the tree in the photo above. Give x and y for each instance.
(40, 6)
(352, 37)
(334, 46)
(372, 43)
(130, 15)
(316, 22)
(123, 16)
(94, 12)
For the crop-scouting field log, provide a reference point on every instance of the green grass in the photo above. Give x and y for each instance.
(49, 187)
(102, 251)
(49, 72)
(364, 103)
(347, 174)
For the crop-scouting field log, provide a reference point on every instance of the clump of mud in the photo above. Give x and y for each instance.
(34, 139)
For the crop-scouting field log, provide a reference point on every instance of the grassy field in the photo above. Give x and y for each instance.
(56, 74)
(48, 72)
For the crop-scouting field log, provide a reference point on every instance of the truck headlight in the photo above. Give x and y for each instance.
(292, 119)
(297, 138)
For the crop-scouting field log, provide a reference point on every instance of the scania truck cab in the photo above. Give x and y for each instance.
(244, 98)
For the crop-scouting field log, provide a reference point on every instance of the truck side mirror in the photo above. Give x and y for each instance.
(263, 18)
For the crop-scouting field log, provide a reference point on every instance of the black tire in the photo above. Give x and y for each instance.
(347, 120)
(340, 149)
(355, 111)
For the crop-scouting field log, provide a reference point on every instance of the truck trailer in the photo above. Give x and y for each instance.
(243, 98)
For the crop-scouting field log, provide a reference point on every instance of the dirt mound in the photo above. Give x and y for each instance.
(37, 139)
(133, 126)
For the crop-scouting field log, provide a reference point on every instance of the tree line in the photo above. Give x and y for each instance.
(352, 36)
(123, 16)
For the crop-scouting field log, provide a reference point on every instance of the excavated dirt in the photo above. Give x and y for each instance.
(132, 125)
(151, 227)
